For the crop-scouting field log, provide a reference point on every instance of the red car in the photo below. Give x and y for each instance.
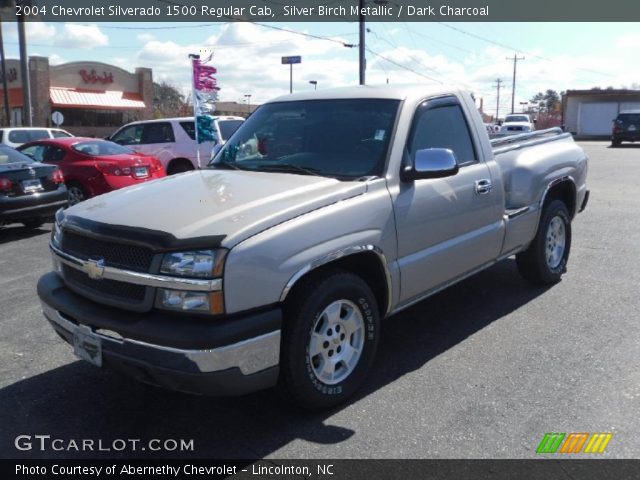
(93, 166)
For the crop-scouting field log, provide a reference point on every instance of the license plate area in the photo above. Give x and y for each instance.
(87, 346)
(30, 186)
(141, 172)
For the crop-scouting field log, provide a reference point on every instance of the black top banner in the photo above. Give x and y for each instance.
(322, 10)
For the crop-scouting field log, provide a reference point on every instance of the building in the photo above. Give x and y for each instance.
(94, 98)
(234, 109)
(590, 113)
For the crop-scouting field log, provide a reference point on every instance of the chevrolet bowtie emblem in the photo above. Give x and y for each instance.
(95, 268)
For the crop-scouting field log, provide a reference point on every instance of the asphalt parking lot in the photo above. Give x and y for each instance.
(481, 370)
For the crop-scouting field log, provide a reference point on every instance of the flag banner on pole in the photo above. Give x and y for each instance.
(205, 96)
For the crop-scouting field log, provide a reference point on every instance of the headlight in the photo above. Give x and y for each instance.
(196, 264)
(56, 235)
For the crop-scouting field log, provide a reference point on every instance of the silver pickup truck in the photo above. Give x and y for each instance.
(323, 214)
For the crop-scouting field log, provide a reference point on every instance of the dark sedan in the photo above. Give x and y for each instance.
(30, 191)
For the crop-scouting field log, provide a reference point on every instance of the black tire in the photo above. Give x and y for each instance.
(533, 263)
(298, 381)
(33, 223)
(77, 193)
(179, 166)
(615, 143)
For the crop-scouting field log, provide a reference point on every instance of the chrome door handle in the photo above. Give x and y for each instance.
(483, 186)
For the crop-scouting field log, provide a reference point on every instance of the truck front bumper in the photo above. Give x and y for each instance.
(211, 356)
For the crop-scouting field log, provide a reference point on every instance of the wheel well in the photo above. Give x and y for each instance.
(367, 265)
(179, 161)
(564, 191)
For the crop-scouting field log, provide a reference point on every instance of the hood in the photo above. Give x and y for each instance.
(235, 204)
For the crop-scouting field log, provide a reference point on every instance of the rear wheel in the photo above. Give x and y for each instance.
(545, 260)
(615, 142)
(179, 166)
(329, 340)
(76, 193)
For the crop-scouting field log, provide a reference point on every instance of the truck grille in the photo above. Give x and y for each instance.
(129, 257)
(118, 291)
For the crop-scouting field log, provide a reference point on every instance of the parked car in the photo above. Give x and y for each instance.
(626, 128)
(30, 192)
(16, 136)
(93, 166)
(173, 141)
(275, 266)
(517, 123)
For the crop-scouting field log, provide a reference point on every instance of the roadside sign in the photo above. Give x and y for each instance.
(291, 60)
(57, 118)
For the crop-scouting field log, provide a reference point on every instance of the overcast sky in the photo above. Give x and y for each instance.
(559, 56)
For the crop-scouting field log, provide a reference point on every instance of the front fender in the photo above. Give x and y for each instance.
(260, 270)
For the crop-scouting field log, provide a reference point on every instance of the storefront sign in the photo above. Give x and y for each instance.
(93, 77)
(12, 75)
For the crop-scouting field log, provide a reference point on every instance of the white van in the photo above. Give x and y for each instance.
(172, 140)
(16, 136)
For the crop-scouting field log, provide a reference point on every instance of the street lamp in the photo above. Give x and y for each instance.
(248, 97)
(362, 60)
(314, 83)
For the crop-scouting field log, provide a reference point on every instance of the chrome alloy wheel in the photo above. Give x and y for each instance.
(555, 242)
(76, 195)
(336, 342)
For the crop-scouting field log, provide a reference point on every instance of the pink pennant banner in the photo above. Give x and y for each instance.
(203, 77)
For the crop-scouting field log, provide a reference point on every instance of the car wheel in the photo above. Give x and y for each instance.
(615, 143)
(330, 337)
(33, 223)
(179, 166)
(545, 261)
(76, 193)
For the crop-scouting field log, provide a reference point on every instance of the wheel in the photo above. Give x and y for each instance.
(330, 337)
(179, 166)
(33, 223)
(545, 260)
(615, 143)
(76, 193)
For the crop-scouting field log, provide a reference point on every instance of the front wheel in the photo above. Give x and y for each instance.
(330, 337)
(76, 193)
(545, 260)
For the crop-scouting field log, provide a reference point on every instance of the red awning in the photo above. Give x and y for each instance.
(109, 99)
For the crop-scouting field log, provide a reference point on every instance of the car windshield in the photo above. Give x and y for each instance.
(516, 118)
(344, 139)
(101, 147)
(227, 127)
(9, 155)
(24, 136)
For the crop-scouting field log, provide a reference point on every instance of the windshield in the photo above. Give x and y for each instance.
(9, 155)
(629, 118)
(101, 147)
(345, 139)
(227, 127)
(516, 118)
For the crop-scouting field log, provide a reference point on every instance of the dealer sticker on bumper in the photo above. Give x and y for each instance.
(87, 346)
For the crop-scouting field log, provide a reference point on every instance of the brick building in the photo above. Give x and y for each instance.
(95, 98)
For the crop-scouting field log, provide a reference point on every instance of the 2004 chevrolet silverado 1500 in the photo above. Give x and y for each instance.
(324, 213)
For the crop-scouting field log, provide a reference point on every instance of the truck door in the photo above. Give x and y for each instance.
(446, 226)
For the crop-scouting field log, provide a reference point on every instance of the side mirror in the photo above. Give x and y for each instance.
(432, 163)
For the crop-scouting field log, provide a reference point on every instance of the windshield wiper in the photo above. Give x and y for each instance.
(225, 165)
(290, 168)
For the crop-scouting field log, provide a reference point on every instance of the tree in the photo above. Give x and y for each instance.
(167, 100)
(546, 102)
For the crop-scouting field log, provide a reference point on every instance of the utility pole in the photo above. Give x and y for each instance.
(498, 85)
(24, 70)
(513, 90)
(5, 88)
(361, 47)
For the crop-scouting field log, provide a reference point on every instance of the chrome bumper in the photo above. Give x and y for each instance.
(249, 356)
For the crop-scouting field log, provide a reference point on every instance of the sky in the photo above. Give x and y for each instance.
(557, 56)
